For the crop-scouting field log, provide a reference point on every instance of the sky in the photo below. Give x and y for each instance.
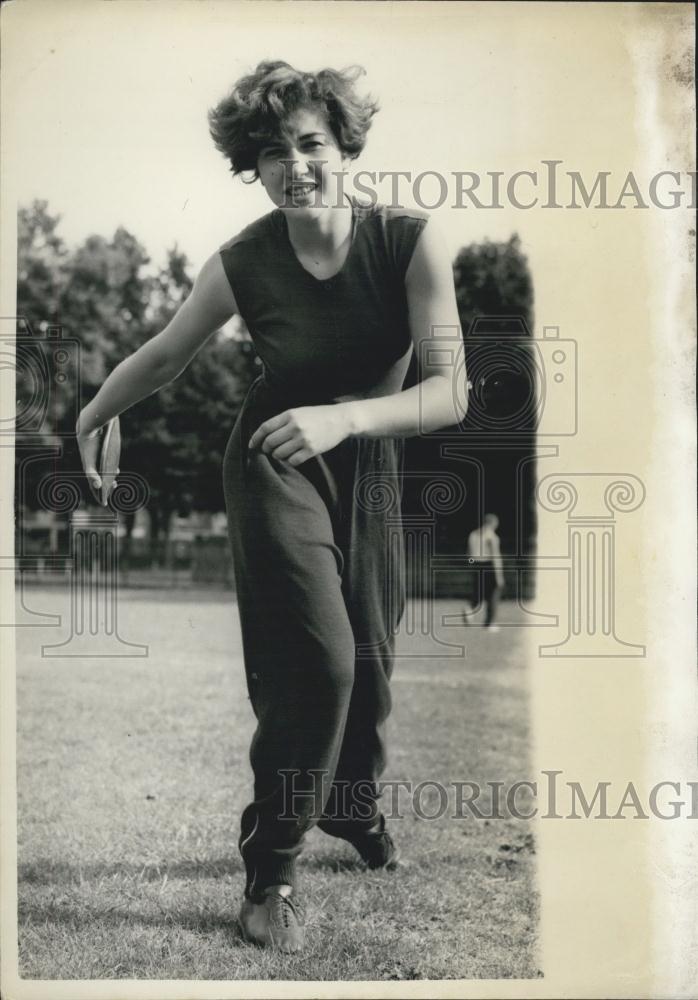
(109, 104)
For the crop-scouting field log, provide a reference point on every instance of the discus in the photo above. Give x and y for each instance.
(109, 458)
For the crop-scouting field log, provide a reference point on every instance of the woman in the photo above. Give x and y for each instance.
(336, 295)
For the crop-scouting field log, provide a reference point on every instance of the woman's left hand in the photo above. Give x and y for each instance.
(296, 435)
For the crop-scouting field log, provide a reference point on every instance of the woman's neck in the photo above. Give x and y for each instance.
(325, 232)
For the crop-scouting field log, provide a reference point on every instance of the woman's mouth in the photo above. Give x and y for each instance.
(301, 189)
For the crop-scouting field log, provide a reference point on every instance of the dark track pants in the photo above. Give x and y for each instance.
(319, 574)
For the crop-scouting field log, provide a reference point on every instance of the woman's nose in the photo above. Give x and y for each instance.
(299, 165)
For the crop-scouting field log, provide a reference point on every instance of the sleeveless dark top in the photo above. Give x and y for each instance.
(323, 338)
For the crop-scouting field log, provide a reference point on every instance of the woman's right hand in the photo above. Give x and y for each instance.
(89, 445)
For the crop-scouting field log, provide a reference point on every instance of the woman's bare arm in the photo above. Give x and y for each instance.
(439, 400)
(162, 358)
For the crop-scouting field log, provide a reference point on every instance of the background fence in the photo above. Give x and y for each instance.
(205, 561)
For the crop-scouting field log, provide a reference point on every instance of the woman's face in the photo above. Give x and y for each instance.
(299, 168)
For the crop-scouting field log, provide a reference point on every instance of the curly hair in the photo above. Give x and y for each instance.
(255, 110)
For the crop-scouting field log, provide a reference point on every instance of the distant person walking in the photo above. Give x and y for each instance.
(484, 551)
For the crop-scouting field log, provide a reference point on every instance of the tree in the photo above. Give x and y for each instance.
(43, 400)
(99, 296)
(493, 279)
(494, 293)
(106, 303)
(42, 258)
(104, 300)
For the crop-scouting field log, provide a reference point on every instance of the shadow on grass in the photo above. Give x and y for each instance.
(84, 917)
(47, 871)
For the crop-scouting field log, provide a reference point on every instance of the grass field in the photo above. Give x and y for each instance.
(132, 774)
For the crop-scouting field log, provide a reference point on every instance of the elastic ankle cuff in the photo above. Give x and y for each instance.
(266, 872)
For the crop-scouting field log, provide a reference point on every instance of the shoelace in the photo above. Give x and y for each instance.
(281, 906)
